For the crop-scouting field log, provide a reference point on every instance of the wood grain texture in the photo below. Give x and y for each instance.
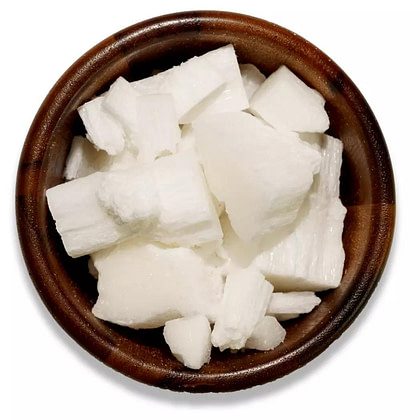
(367, 190)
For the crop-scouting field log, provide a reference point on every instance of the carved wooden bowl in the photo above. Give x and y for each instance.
(367, 190)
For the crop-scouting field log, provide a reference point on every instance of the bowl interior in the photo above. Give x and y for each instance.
(367, 191)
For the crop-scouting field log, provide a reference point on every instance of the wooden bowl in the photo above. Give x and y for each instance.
(367, 190)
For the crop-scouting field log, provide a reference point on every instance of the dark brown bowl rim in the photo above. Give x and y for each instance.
(34, 247)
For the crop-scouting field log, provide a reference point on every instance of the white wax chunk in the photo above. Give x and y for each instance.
(130, 195)
(231, 95)
(188, 215)
(252, 78)
(82, 222)
(103, 130)
(292, 303)
(311, 255)
(292, 258)
(84, 159)
(157, 131)
(188, 83)
(261, 174)
(286, 102)
(144, 285)
(244, 303)
(267, 335)
(189, 340)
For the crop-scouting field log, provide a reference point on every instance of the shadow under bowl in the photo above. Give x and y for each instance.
(367, 191)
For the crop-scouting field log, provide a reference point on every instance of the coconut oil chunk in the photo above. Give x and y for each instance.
(167, 201)
(188, 215)
(286, 102)
(190, 82)
(244, 303)
(252, 78)
(261, 174)
(297, 261)
(189, 340)
(290, 305)
(231, 95)
(157, 131)
(150, 121)
(267, 335)
(103, 130)
(130, 196)
(83, 222)
(84, 159)
(120, 101)
(144, 285)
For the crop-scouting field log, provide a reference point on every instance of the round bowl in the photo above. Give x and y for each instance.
(367, 191)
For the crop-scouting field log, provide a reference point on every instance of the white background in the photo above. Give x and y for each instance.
(371, 371)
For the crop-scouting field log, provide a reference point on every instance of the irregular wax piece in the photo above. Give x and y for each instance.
(261, 174)
(83, 223)
(103, 130)
(150, 119)
(291, 304)
(291, 258)
(188, 216)
(297, 261)
(120, 101)
(187, 142)
(130, 195)
(244, 303)
(267, 335)
(252, 78)
(83, 159)
(189, 340)
(286, 102)
(327, 184)
(188, 83)
(144, 285)
(157, 131)
(171, 204)
(229, 97)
